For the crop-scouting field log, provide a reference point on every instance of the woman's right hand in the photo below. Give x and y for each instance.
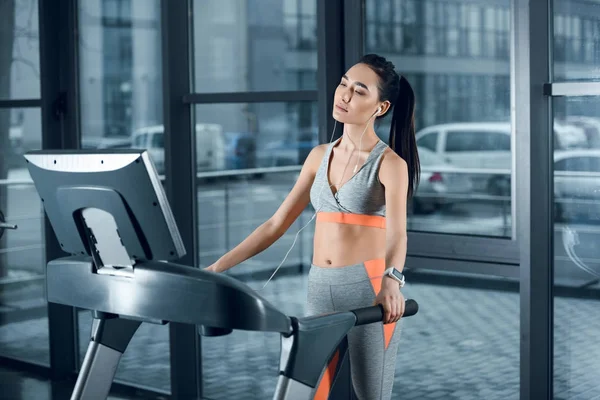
(211, 268)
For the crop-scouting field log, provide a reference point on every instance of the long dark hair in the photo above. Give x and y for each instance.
(396, 89)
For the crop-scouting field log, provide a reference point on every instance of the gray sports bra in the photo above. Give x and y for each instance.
(362, 194)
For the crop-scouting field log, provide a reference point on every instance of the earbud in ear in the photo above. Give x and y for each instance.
(379, 110)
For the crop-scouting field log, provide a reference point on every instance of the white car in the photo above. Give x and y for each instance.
(481, 146)
(577, 184)
(210, 146)
(439, 186)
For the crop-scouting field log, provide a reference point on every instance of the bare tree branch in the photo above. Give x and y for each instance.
(30, 64)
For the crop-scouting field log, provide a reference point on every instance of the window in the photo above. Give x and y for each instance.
(20, 59)
(121, 93)
(232, 205)
(140, 140)
(24, 314)
(429, 141)
(499, 141)
(469, 97)
(477, 141)
(464, 141)
(578, 164)
(576, 40)
(576, 252)
(158, 141)
(254, 46)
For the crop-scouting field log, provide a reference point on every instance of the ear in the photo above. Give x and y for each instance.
(383, 108)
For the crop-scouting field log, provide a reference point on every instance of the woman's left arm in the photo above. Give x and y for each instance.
(393, 174)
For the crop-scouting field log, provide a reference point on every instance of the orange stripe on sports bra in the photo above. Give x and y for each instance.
(374, 221)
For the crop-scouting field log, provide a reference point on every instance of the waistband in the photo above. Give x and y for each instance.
(368, 270)
(375, 221)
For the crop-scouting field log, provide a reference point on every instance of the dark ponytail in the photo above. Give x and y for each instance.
(396, 89)
(402, 133)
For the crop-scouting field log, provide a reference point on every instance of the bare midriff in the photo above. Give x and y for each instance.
(341, 244)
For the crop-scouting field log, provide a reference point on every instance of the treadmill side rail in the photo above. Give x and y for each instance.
(156, 292)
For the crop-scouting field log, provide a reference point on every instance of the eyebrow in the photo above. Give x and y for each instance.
(357, 83)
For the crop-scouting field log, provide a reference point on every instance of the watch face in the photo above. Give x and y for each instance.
(398, 274)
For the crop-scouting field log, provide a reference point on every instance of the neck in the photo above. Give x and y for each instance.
(353, 135)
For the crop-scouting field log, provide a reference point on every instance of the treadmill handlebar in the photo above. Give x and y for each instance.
(372, 314)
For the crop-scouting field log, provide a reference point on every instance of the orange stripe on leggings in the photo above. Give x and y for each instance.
(324, 386)
(377, 268)
(375, 221)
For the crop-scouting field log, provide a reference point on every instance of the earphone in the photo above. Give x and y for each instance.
(319, 196)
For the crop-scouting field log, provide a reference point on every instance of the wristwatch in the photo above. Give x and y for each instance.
(395, 274)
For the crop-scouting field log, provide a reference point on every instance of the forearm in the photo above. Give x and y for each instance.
(395, 255)
(258, 241)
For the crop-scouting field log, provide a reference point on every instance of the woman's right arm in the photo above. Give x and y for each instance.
(271, 230)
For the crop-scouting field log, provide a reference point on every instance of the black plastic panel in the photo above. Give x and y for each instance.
(127, 173)
(314, 344)
(164, 291)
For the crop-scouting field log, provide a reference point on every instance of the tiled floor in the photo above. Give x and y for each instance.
(463, 344)
(22, 386)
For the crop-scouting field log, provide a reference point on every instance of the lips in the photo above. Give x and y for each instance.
(341, 108)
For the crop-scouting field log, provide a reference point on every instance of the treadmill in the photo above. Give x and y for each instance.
(111, 216)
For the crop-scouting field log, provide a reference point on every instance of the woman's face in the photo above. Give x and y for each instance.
(356, 98)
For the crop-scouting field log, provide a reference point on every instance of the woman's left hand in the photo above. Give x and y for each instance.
(392, 300)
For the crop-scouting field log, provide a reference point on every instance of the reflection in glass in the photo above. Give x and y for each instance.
(456, 56)
(576, 39)
(254, 45)
(23, 310)
(19, 50)
(576, 253)
(231, 205)
(121, 76)
(121, 107)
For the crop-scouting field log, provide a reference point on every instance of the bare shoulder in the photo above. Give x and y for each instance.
(393, 169)
(313, 161)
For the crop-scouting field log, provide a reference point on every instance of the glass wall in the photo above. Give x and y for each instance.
(254, 45)
(456, 56)
(23, 310)
(20, 47)
(575, 40)
(577, 205)
(121, 107)
(576, 259)
(235, 139)
(248, 157)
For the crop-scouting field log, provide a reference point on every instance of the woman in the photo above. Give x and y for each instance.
(359, 187)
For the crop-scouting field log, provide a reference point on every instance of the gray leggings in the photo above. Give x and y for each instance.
(372, 347)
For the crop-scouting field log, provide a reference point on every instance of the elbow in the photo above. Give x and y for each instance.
(274, 228)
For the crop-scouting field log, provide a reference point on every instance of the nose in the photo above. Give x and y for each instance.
(346, 96)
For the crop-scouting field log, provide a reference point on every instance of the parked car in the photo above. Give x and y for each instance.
(590, 126)
(240, 150)
(286, 152)
(439, 186)
(482, 146)
(210, 146)
(577, 184)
